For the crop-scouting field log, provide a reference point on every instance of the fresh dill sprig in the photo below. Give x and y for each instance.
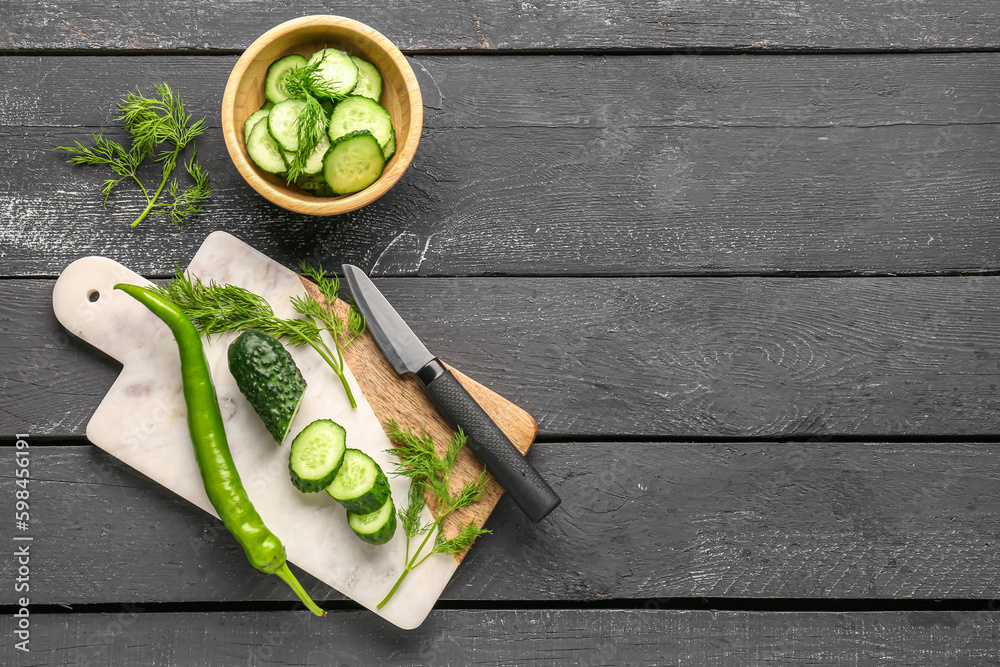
(190, 200)
(311, 124)
(159, 128)
(307, 83)
(410, 517)
(428, 471)
(298, 82)
(325, 318)
(215, 309)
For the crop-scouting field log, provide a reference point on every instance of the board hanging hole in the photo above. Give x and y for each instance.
(93, 295)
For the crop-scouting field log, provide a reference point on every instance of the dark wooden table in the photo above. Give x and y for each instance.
(741, 261)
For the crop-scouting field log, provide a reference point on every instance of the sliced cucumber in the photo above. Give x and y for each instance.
(337, 74)
(376, 527)
(274, 89)
(369, 80)
(267, 105)
(283, 123)
(315, 185)
(264, 150)
(267, 375)
(353, 163)
(390, 146)
(360, 486)
(314, 163)
(311, 182)
(252, 120)
(316, 455)
(360, 113)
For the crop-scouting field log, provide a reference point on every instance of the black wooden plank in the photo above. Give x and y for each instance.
(512, 637)
(572, 91)
(581, 165)
(638, 521)
(762, 357)
(496, 25)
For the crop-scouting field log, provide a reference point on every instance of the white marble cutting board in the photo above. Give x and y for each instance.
(142, 421)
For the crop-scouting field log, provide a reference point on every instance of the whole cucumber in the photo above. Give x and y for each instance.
(267, 375)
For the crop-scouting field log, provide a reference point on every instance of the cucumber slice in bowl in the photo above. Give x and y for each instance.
(376, 527)
(315, 185)
(360, 486)
(353, 163)
(390, 146)
(274, 90)
(264, 150)
(314, 164)
(252, 120)
(369, 80)
(316, 455)
(267, 375)
(360, 113)
(337, 74)
(283, 123)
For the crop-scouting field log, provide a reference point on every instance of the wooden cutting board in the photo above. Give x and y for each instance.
(142, 421)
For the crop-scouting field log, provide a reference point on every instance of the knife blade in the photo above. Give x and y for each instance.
(407, 354)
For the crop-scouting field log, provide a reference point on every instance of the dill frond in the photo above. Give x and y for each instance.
(159, 128)
(429, 472)
(215, 309)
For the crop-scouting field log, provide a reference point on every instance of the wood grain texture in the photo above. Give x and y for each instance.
(540, 637)
(638, 521)
(592, 140)
(706, 165)
(496, 25)
(402, 399)
(566, 90)
(759, 357)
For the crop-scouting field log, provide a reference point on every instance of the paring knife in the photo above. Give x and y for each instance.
(406, 353)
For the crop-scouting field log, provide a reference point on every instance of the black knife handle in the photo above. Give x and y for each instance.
(498, 454)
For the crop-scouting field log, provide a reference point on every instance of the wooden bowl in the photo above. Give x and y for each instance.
(245, 94)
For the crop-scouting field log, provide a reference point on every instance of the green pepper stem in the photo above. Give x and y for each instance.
(289, 578)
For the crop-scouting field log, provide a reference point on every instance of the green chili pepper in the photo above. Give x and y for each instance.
(211, 448)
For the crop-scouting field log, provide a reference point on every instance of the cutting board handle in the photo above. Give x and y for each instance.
(86, 303)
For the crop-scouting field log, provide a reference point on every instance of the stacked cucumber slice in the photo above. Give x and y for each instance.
(362, 488)
(317, 454)
(319, 458)
(358, 136)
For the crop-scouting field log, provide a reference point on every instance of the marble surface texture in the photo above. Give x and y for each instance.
(142, 422)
